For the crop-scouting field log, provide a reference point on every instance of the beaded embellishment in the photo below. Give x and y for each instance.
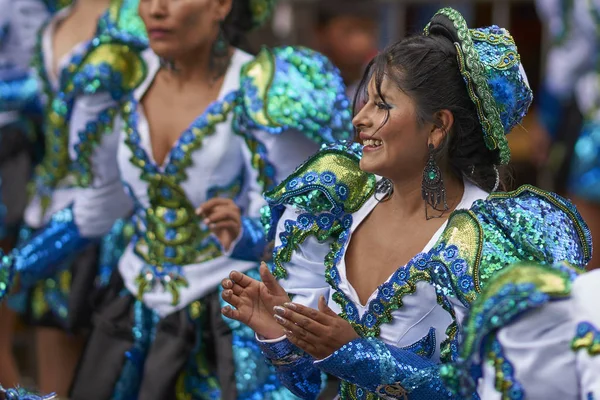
(173, 234)
(587, 338)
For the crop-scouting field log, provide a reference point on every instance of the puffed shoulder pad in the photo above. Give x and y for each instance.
(530, 223)
(295, 88)
(506, 228)
(122, 21)
(512, 292)
(109, 65)
(330, 183)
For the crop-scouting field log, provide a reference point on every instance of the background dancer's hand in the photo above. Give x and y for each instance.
(318, 332)
(254, 301)
(224, 219)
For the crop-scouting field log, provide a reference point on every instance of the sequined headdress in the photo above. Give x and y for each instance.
(261, 11)
(491, 67)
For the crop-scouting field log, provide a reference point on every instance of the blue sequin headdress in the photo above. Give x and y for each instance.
(491, 67)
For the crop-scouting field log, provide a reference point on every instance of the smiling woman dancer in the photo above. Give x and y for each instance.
(382, 271)
(210, 126)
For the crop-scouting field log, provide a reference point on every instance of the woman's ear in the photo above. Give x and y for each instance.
(445, 120)
(224, 8)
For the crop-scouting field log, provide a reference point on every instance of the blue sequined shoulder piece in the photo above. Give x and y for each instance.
(508, 295)
(330, 182)
(122, 22)
(295, 88)
(530, 224)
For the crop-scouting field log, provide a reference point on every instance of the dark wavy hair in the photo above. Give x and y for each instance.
(238, 23)
(425, 68)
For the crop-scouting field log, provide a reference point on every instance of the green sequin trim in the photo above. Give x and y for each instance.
(351, 189)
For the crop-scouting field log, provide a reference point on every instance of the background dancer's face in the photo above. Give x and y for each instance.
(394, 142)
(177, 28)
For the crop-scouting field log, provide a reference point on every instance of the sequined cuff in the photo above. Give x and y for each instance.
(295, 368)
(22, 394)
(278, 349)
(385, 370)
(251, 244)
(19, 94)
(44, 252)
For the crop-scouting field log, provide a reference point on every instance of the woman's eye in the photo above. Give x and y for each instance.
(382, 106)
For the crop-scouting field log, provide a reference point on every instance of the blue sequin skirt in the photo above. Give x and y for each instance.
(584, 180)
(64, 300)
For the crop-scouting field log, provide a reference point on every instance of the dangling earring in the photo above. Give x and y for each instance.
(219, 54)
(432, 187)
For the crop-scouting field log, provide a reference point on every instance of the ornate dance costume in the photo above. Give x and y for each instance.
(101, 65)
(413, 321)
(533, 333)
(163, 308)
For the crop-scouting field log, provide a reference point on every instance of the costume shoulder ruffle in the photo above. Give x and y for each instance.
(329, 183)
(122, 22)
(295, 88)
(509, 295)
(527, 224)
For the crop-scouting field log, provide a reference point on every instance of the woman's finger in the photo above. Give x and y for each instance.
(325, 309)
(241, 279)
(296, 330)
(231, 313)
(227, 283)
(237, 289)
(222, 214)
(232, 298)
(308, 312)
(229, 224)
(302, 321)
(207, 206)
(270, 282)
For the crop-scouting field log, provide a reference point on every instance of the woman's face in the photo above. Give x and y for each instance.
(399, 148)
(177, 27)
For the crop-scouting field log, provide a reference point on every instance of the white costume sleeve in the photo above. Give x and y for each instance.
(305, 279)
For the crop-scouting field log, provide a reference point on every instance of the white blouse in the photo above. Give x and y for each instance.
(222, 159)
(420, 311)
